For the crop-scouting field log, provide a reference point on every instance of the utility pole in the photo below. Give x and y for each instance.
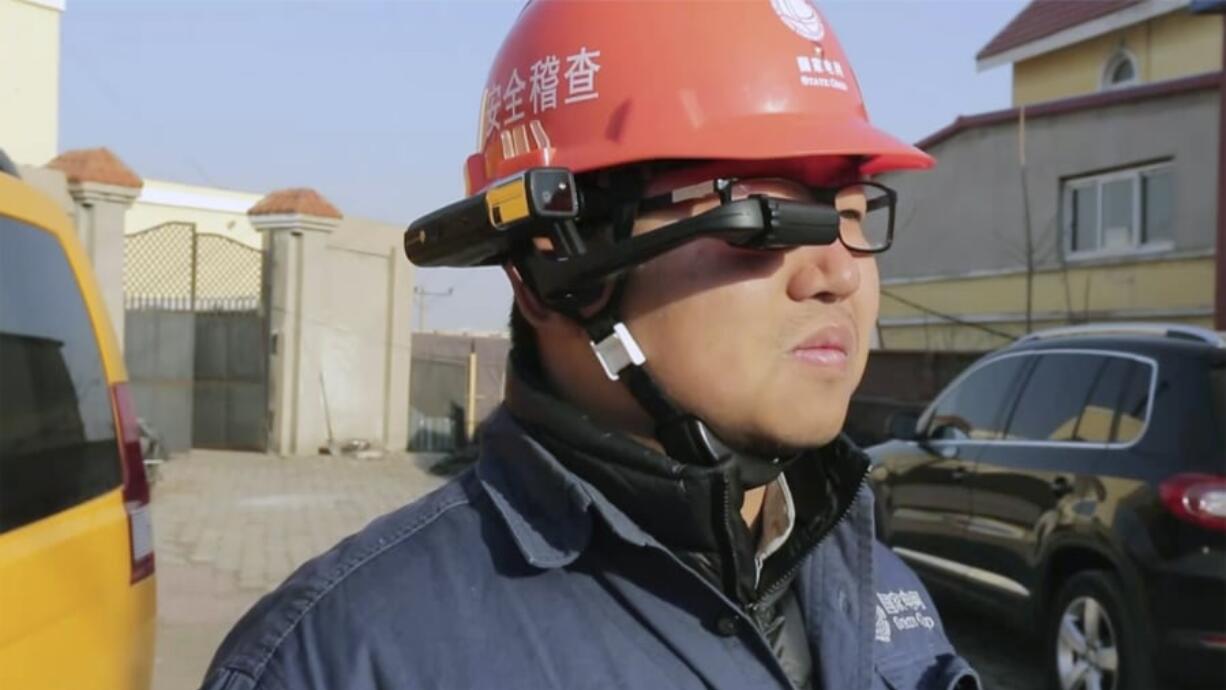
(1219, 310)
(1219, 261)
(420, 294)
(1021, 154)
(471, 421)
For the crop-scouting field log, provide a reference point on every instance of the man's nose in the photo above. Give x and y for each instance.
(830, 273)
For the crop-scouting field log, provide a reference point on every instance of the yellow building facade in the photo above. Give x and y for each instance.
(1135, 162)
(1169, 46)
(1171, 290)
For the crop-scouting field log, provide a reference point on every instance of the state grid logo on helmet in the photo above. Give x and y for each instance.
(800, 16)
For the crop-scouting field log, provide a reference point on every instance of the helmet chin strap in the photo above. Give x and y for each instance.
(684, 437)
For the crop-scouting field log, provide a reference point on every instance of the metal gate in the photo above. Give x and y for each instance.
(196, 337)
(159, 347)
(230, 388)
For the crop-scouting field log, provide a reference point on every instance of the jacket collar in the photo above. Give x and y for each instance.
(549, 512)
(548, 509)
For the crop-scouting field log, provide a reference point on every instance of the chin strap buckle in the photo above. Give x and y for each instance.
(617, 351)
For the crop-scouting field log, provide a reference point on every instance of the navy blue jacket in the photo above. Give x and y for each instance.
(518, 574)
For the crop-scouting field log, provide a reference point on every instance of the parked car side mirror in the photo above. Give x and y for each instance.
(949, 432)
(945, 432)
(902, 426)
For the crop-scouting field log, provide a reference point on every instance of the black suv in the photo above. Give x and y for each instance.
(1074, 483)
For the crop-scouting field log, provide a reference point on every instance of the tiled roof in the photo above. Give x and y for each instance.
(1043, 18)
(307, 202)
(95, 165)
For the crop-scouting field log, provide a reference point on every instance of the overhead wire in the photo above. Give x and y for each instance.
(948, 317)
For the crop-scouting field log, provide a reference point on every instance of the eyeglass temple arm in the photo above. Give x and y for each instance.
(756, 222)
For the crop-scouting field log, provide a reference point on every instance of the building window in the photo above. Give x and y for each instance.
(1123, 211)
(1121, 71)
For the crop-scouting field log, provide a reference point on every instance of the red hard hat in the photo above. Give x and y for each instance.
(593, 85)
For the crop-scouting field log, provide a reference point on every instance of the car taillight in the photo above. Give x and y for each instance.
(1196, 498)
(135, 485)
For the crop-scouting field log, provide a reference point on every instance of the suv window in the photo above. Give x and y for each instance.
(57, 429)
(973, 408)
(1217, 387)
(1125, 387)
(1082, 397)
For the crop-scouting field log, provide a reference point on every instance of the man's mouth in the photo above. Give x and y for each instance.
(827, 347)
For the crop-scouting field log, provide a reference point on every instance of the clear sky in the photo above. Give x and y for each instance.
(374, 104)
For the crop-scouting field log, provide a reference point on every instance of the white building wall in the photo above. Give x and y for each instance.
(30, 79)
(218, 211)
(366, 338)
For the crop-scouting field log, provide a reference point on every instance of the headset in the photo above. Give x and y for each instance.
(501, 225)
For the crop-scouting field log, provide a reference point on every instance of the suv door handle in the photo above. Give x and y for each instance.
(959, 473)
(1061, 486)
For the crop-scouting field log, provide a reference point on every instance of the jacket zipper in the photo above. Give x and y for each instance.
(779, 582)
(746, 615)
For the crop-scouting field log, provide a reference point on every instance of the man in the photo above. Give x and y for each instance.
(664, 501)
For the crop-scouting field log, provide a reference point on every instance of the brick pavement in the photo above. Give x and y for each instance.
(229, 527)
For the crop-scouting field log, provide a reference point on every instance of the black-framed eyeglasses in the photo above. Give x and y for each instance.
(865, 211)
(860, 215)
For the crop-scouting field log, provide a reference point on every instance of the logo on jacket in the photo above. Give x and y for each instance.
(902, 609)
(883, 626)
(800, 16)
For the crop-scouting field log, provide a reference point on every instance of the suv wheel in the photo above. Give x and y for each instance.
(1093, 638)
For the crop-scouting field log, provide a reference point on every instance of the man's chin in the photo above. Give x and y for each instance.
(781, 444)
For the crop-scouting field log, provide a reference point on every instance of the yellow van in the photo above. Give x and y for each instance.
(77, 587)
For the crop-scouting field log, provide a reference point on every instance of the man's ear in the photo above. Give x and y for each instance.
(533, 309)
(538, 313)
